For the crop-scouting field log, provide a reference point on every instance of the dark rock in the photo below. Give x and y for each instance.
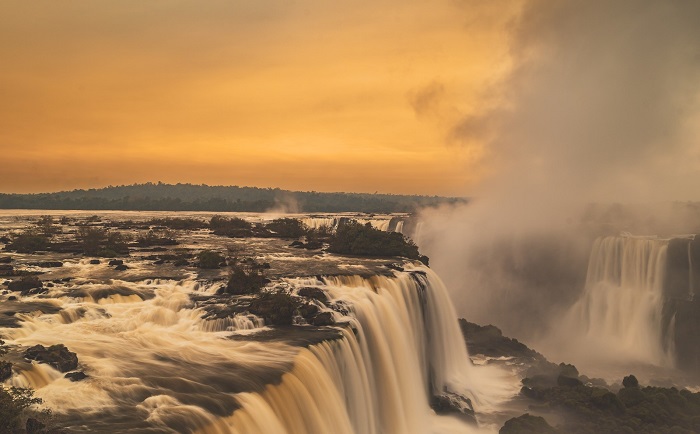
(565, 381)
(159, 262)
(94, 261)
(489, 341)
(48, 264)
(297, 244)
(57, 356)
(76, 376)
(527, 424)
(313, 245)
(308, 311)
(6, 270)
(630, 381)
(5, 370)
(276, 308)
(25, 284)
(5, 240)
(323, 319)
(452, 403)
(33, 426)
(121, 267)
(5, 259)
(393, 266)
(116, 262)
(181, 263)
(12, 298)
(313, 292)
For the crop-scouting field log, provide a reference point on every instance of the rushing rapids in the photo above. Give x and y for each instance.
(620, 311)
(158, 360)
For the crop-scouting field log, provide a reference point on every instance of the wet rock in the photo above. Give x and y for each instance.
(5, 259)
(527, 424)
(33, 426)
(94, 261)
(181, 263)
(115, 262)
(308, 311)
(12, 298)
(5, 240)
(48, 264)
(25, 284)
(453, 403)
(76, 376)
(121, 267)
(57, 356)
(276, 308)
(5, 370)
(6, 270)
(313, 292)
(323, 319)
(297, 244)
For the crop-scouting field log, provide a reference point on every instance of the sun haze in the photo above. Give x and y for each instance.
(326, 96)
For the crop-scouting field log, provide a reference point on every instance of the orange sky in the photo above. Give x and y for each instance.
(308, 95)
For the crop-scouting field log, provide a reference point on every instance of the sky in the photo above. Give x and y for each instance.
(573, 99)
(303, 95)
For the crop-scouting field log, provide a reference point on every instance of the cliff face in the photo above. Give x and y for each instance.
(682, 304)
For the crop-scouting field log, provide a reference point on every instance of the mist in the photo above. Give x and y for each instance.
(593, 131)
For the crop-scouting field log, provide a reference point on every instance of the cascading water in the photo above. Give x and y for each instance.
(403, 346)
(155, 364)
(619, 316)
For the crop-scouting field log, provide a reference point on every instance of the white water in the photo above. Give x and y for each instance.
(619, 316)
(405, 345)
(151, 361)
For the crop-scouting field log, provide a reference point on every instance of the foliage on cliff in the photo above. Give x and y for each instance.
(353, 238)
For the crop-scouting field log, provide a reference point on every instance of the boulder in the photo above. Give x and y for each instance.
(76, 376)
(527, 424)
(25, 284)
(115, 262)
(5, 370)
(121, 267)
(33, 426)
(5, 259)
(94, 261)
(323, 319)
(313, 292)
(48, 264)
(455, 404)
(6, 270)
(57, 356)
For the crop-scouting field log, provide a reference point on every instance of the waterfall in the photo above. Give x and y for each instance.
(619, 315)
(397, 343)
(403, 345)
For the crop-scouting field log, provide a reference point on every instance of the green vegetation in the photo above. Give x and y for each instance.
(354, 238)
(527, 424)
(210, 259)
(189, 197)
(631, 410)
(14, 402)
(287, 228)
(230, 227)
(157, 237)
(97, 241)
(247, 277)
(178, 223)
(29, 241)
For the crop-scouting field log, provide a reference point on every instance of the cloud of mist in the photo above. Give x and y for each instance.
(601, 105)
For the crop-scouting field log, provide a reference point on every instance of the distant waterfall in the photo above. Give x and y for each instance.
(620, 313)
(403, 345)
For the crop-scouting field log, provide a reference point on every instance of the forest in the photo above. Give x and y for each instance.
(191, 197)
